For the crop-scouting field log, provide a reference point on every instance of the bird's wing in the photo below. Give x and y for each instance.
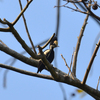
(47, 53)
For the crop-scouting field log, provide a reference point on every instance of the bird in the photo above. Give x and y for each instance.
(49, 53)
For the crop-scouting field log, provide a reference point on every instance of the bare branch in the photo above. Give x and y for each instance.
(13, 60)
(90, 63)
(48, 41)
(73, 1)
(66, 79)
(67, 65)
(92, 14)
(13, 23)
(27, 29)
(71, 61)
(24, 59)
(78, 46)
(18, 56)
(62, 76)
(26, 72)
(3, 43)
(78, 10)
(5, 29)
(98, 83)
(22, 42)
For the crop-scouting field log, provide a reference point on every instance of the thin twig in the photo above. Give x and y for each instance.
(73, 1)
(90, 63)
(78, 10)
(13, 23)
(27, 29)
(71, 62)
(75, 5)
(3, 43)
(67, 65)
(48, 41)
(3, 22)
(98, 83)
(4, 29)
(78, 46)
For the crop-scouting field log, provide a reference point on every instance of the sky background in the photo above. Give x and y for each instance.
(41, 20)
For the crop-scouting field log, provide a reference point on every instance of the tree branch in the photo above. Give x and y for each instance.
(23, 44)
(26, 72)
(13, 23)
(92, 14)
(18, 56)
(90, 63)
(32, 62)
(78, 10)
(78, 46)
(67, 66)
(5, 29)
(65, 79)
(98, 83)
(48, 41)
(27, 29)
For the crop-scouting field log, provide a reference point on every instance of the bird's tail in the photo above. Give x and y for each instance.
(40, 67)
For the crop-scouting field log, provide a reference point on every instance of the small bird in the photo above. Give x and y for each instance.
(49, 53)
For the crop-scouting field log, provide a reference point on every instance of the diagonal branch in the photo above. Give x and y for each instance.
(67, 66)
(78, 46)
(27, 29)
(91, 62)
(22, 42)
(48, 41)
(13, 23)
(18, 56)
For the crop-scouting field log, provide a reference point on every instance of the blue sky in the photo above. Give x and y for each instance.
(41, 20)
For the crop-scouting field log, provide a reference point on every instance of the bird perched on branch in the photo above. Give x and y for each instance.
(49, 53)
